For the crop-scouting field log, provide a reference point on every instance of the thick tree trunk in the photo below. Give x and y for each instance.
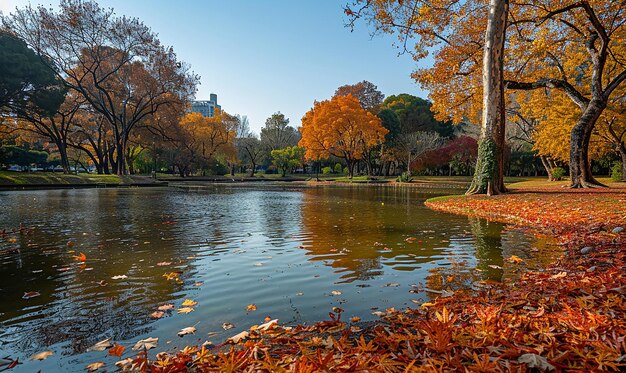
(252, 169)
(579, 165)
(489, 174)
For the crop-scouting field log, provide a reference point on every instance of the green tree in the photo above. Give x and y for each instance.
(26, 83)
(287, 158)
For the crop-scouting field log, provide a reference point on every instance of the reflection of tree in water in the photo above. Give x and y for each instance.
(488, 242)
(121, 234)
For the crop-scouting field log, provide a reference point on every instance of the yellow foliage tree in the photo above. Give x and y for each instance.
(340, 127)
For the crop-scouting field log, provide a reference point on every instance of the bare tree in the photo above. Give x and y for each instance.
(416, 144)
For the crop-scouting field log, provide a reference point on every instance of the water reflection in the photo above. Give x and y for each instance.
(286, 250)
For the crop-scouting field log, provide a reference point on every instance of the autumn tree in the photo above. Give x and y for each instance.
(340, 127)
(116, 63)
(444, 23)
(366, 92)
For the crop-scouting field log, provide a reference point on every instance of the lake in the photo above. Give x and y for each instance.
(295, 252)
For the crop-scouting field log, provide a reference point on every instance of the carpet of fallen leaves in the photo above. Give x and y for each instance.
(568, 317)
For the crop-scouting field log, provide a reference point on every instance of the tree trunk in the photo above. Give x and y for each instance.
(622, 154)
(579, 165)
(252, 169)
(547, 166)
(489, 174)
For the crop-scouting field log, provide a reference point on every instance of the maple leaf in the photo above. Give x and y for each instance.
(189, 303)
(116, 350)
(42, 355)
(171, 275)
(187, 330)
(514, 259)
(251, 307)
(81, 257)
(146, 344)
(536, 361)
(101, 346)
(95, 366)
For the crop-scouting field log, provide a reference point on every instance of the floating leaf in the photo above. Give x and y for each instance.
(146, 344)
(391, 285)
(355, 319)
(161, 264)
(125, 365)
(116, 350)
(166, 307)
(171, 275)
(157, 314)
(251, 307)
(514, 259)
(227, 326)
(80, 257)
(185, 310)
(95, 366)
(42, 355)
(30, 294)
(119, 277)
(187, 330)
(189, 303)
(336, 292)
(101, 346)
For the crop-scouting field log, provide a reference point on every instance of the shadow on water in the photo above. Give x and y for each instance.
(294, 252)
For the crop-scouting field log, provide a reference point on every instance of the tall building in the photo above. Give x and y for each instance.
(206, 108)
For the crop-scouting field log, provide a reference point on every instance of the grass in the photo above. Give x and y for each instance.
(52, 178)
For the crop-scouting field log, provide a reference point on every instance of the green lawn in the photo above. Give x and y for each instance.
(23, 178)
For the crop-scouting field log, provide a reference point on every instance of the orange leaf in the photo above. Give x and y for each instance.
(116, 350)
(81, 258)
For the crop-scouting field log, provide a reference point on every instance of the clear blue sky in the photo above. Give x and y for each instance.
(260, 57)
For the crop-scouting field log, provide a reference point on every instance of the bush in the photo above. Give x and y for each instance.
(616, 172)
(327, 171)
(338, 168)
(558, 173)
(346, 171)
(404, 178)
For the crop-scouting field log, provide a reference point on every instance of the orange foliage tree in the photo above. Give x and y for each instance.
(340, 127)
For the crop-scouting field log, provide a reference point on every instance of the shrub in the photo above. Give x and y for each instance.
(338, 168)
(558, 173)
(404, 178)
(616, 172)
(327, 170)
(346, 171)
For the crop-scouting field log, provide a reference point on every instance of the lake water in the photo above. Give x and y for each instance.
(295, 252)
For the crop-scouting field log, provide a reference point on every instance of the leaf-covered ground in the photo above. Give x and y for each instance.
(568, 317)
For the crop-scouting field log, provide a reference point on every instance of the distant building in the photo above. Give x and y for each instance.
(206, 108)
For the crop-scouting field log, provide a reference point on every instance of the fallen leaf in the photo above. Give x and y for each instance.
(95, 366)
(336, 292)
(267, 325)
(536, 361)
(391, 285)
(238, 337)
(157, 314)
(31, 294)
(355, 319)
(161, 264)
(119, 277)
(189, 303)
(199, 283)
(125, 364)
(185, 310)
(539, 312)
(494, 266)
(166, 307)
(81, 257)
(102, 283)
(559, 275)
(70, 243)
(101, 346)
(42, 355)
(187, 330)
(116, 350)
(171, 275)
(146, 344)
(251, 307)
(227, 326)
